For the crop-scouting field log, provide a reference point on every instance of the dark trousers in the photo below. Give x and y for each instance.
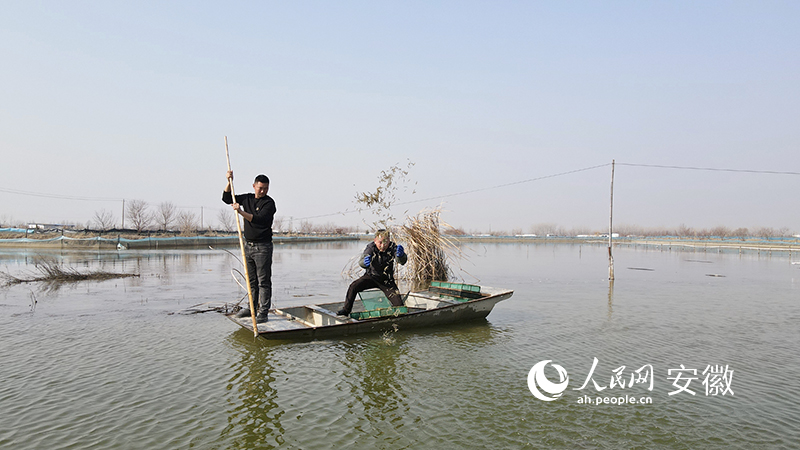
(366, 282)
(258, 257)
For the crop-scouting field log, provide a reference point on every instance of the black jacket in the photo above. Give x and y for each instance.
(263, 211)
(381, 268)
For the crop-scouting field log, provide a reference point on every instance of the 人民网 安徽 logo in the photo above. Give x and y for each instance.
(538, 380)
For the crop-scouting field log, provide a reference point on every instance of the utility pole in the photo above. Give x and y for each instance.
(611, 228)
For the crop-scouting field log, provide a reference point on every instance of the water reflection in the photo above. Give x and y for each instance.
(610, 298)
(325, 245)
(470, 335)
(376, 381)
(256, 415)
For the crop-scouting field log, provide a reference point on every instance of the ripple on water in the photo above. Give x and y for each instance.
(106, 366)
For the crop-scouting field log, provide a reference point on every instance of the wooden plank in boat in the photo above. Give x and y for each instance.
(328, 312)
(277, 322)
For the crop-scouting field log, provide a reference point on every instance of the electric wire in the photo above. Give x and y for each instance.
(711, 169)
(454, 194)
(444, 196)
(63, 197)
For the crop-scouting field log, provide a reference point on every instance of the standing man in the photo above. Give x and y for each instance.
(258, 210)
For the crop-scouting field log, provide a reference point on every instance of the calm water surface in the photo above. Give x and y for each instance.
(120, 365)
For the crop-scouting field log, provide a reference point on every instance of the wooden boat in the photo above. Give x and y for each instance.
(442, 303)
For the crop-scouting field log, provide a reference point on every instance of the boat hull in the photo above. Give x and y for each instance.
(318, 322)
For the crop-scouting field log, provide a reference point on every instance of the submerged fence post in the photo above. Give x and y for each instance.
(611, 227)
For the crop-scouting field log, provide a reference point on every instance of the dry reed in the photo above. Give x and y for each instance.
(52, 272)
(429, 250)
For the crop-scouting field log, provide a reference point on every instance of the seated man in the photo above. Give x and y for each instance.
(378, 258)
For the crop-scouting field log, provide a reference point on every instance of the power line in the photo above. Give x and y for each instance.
(472, 191)
(440, 197)
(76, 197)
(712, 169)
(63, 197)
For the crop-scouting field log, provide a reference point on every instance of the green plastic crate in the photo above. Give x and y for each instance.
(384, 312)
(374, 299)
(460, 290)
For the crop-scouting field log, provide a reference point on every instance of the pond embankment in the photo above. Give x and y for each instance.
(141, 241)
(126, 239)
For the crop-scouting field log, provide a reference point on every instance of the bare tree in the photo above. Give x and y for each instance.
(137, 214)
(544, 229)
(583, 230)
(766, 232)
(720, 231)
(225, 218)
(306, 227)
(683, 230)
(740, 232)
(187, 222)
(6, 220)
(103, 219)
(455, 231)
(165, 215)
(278, 223)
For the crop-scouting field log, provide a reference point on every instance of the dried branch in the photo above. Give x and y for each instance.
(52, 272)
(385, 195)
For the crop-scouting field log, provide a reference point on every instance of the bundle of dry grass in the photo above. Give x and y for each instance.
(429, 251)
(427, 248)
(50, 271)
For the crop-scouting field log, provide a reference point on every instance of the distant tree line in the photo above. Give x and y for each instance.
(550, 229)
(166, 216)
(718, 231)
(141, 216)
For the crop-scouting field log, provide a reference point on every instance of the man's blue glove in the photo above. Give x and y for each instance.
(367, 260)
(400, 252)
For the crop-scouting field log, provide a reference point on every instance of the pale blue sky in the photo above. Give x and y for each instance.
(133, 99)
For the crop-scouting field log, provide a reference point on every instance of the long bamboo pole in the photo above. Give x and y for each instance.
(241, 246)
